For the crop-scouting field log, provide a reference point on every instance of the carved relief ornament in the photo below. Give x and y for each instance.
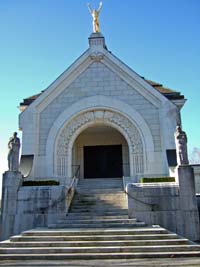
(98, 116)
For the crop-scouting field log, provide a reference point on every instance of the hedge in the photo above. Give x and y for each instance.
(40, 183)
(157, 180)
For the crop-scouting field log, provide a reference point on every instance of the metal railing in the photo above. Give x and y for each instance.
(75, 176)
(154, 207)
(76, 171)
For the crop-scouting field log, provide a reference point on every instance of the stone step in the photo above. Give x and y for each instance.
(101, 183)
(106, 203)
(99, 213)
(112, 203)
(100, 187)
(93, 204)
(74, 238)
(96, 225)
(73, 232)
(81, 216)
(96, 209)
(95, 221)
(88, 191)
(92, 250)
(101, 199)
(98, 194)
(81, 243)
(100, 180)
(91, 208)
(99, 256)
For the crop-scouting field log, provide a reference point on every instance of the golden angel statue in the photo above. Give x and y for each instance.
(95, 16)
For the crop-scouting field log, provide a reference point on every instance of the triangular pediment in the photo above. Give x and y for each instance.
(98, 54)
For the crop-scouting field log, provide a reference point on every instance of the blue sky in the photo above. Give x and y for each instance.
(39, 39)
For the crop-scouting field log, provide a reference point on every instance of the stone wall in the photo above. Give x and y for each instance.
(171, 205)
(196, 168)
(27, 207)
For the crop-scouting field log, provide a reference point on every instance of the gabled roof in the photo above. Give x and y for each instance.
(168, 93)
(98, 51)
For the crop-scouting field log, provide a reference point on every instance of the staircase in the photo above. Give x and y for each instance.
(97, 227)
(98, 203)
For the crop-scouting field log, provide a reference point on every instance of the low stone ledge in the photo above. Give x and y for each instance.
(163, 204)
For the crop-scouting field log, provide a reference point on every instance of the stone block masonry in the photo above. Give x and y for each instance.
(98, 79)
(171, 205)
(27, 207)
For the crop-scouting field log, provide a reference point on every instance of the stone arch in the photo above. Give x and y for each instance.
(92, 103)
(69, 133)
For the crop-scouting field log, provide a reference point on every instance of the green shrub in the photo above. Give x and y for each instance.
(40, 183)
(157, 180)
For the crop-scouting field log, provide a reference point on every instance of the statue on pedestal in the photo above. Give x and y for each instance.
(13, 154)
(181, 146)
(95, 16)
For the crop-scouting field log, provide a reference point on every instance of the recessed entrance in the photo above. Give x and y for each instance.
(101, 151)
(103, 161)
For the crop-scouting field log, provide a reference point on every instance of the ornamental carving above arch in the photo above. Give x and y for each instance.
(98, 116)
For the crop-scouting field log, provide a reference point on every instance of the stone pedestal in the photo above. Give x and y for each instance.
(96, 40)
(189, 215)
(11, 183)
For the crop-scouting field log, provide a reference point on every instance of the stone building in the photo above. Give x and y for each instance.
(98, 105)
(97, 119)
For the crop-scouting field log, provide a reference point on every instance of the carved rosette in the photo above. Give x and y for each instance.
(97, 56)
(98, 116)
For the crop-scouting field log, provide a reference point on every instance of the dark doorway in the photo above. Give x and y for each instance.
(103, 161)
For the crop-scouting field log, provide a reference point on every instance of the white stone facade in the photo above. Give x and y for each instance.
(99, 101)
(98, 89)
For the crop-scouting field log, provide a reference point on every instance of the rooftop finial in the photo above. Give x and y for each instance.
(95, 16)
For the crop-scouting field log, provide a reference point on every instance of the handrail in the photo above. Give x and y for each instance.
(61, 198)
(153, 206)
(75, 176)
(77, 171)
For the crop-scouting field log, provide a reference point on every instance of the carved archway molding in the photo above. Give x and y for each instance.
(65, 140)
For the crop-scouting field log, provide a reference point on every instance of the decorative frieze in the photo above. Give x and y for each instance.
(99, 116)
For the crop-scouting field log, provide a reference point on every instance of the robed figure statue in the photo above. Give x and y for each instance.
(13, 154)
(181, 146)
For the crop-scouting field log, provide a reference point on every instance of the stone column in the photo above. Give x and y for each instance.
(11, 183)
(188, 216)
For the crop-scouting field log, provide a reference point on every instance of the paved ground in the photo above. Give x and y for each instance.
(184, 262)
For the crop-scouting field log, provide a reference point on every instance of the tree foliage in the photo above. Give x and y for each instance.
(194, 156)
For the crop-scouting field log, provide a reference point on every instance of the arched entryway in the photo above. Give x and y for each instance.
(101, 151)
(74, 127)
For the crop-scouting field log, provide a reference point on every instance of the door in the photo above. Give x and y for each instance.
(103, 161)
